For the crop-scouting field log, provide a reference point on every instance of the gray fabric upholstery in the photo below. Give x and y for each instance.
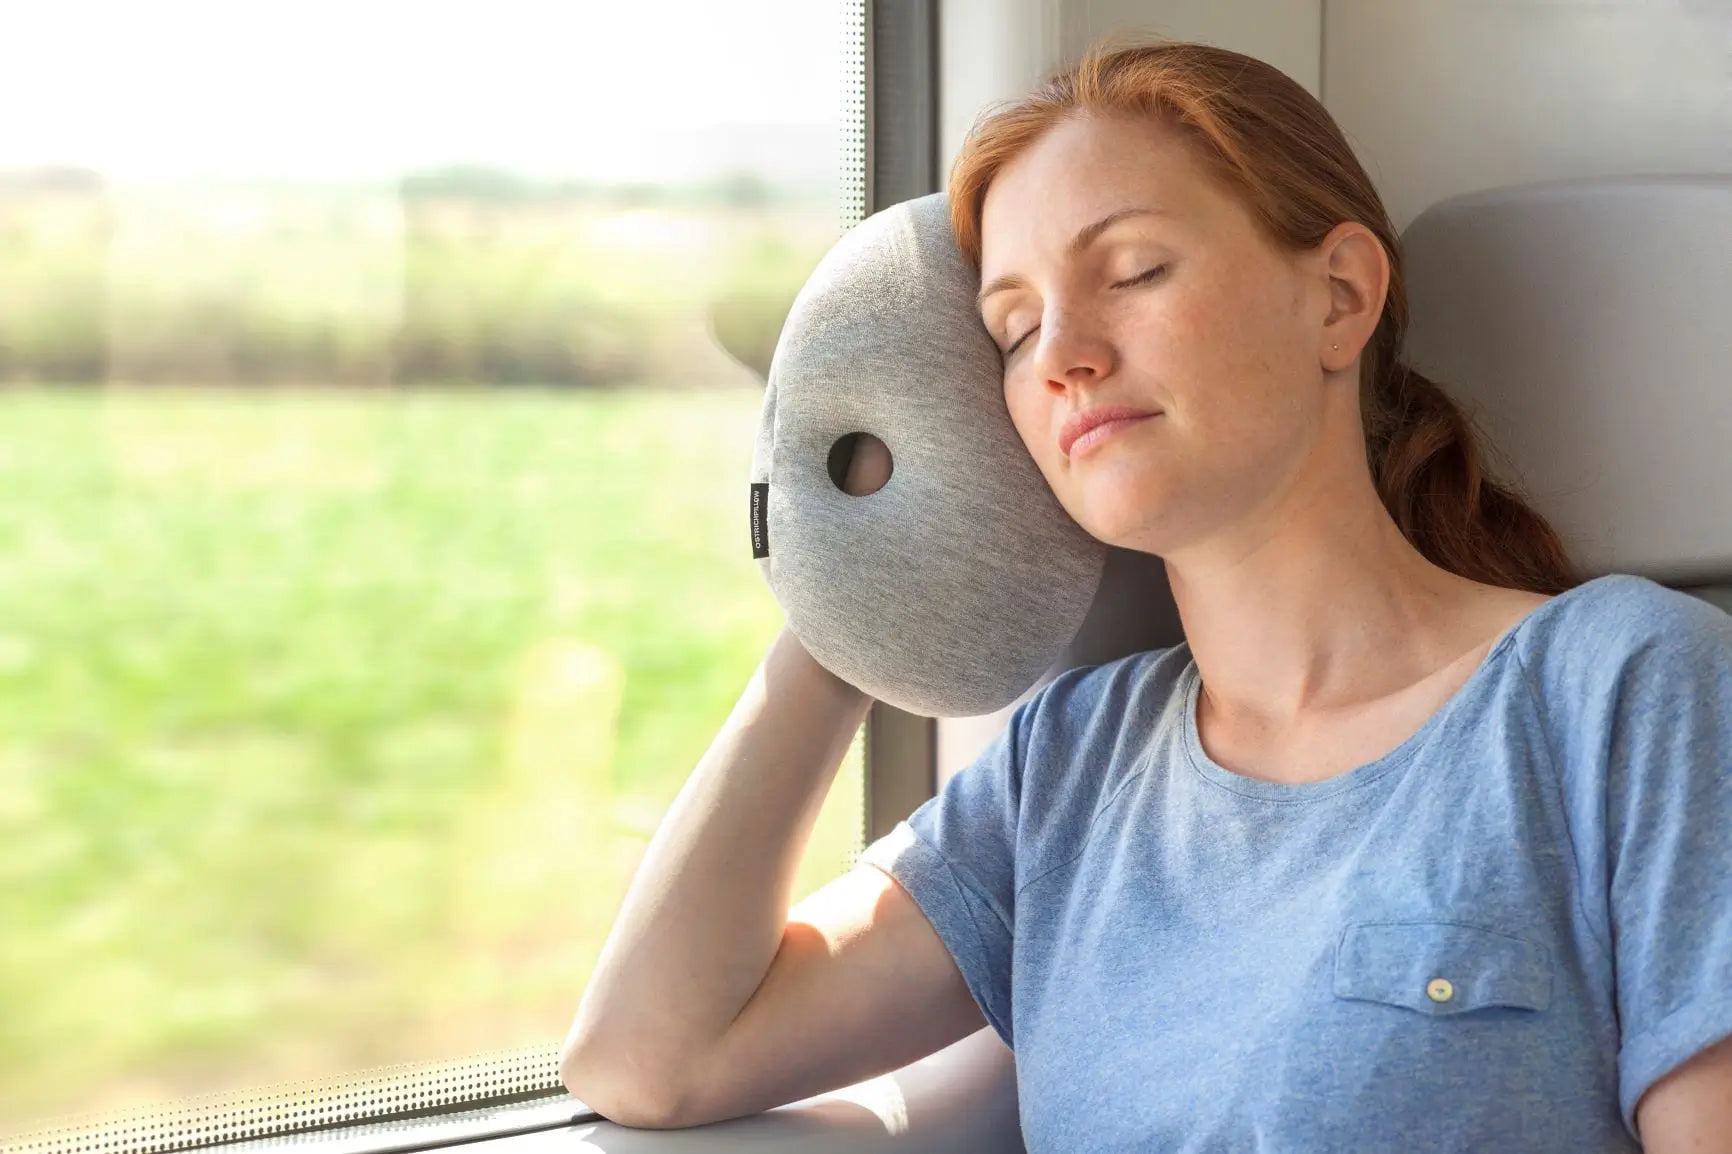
(1585, 325)
(952, 589)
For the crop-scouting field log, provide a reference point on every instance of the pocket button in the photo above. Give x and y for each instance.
(1441, 968)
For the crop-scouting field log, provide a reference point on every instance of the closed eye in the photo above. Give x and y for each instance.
(1140, 279)
(1143, 277)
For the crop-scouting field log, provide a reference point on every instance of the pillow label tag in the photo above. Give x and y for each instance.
(760, 519)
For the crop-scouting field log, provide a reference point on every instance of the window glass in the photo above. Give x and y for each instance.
(378, 385)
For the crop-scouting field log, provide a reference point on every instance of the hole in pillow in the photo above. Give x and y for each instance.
(859, 464)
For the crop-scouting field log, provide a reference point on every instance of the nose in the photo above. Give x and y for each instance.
(1070, 351)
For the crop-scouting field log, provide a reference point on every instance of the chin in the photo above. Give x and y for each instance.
(1128, 509)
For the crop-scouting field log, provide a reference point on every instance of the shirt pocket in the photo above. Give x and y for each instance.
(1441, 968)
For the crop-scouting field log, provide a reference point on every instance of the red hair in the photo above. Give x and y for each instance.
(1275, 146)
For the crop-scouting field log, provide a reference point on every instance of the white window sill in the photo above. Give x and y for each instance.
(961, 1098)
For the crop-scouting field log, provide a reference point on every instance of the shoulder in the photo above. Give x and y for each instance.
(1091, 702)
(1631, 677)
(1086, 731)
(1618, 626)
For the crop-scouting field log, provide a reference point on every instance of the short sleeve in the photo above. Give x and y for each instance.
(956, 856)
(1668, 842)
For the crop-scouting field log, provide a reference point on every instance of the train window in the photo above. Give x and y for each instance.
(378, 387)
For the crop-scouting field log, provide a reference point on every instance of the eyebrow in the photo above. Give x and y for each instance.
(1084, 237)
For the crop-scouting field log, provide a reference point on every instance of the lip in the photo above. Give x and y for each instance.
(1081, 423)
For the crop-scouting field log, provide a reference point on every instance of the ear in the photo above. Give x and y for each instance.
(1357, 268)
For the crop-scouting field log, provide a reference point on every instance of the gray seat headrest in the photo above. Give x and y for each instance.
(1587, 326)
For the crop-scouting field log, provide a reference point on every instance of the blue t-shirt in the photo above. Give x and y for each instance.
(1495, 937)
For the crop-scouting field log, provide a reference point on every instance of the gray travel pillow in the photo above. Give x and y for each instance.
(954, 587)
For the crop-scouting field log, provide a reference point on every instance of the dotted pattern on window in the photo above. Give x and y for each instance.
(379, 1095)
(854, 126)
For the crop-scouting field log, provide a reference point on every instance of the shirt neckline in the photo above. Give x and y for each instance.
(1206, 767)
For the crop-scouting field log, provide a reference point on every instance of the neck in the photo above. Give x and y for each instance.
(1320, 604)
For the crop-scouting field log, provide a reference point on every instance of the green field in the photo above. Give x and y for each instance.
(332, 724)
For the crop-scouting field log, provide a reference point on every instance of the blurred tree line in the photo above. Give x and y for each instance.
(460, 275)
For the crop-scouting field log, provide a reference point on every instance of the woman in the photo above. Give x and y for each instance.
(1418, 842)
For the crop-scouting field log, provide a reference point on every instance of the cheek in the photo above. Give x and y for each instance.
(1027, 415)
(1235, 353)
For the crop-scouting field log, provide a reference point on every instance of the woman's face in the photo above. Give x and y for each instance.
(1181, 308)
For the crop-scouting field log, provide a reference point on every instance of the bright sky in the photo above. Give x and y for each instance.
(622, 89)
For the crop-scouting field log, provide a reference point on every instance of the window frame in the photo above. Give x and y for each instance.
(902, 142)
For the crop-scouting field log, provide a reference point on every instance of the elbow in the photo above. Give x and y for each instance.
(615, 1089)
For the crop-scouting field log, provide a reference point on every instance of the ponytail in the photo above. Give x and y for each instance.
(1426, 462)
